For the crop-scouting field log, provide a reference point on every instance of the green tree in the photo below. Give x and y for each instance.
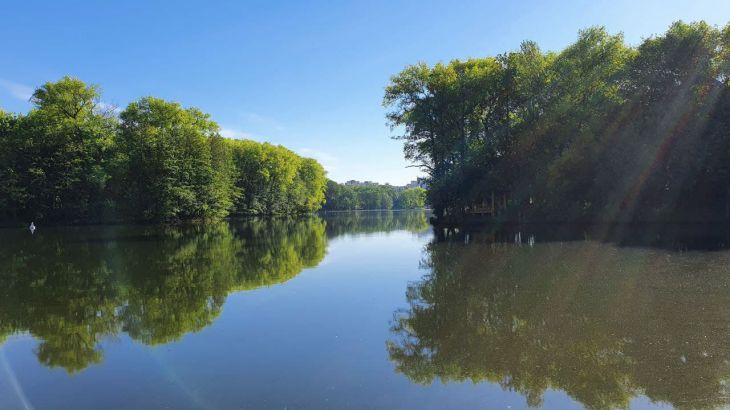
(274, 180)
(72, 159)
(372, 196)
(173, 164)
(53, 160)
(596, 132)
(412, 198)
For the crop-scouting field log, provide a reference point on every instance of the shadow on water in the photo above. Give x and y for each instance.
(677, 237)
(604, 322)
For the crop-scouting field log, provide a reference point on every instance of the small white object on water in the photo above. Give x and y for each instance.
(32, 228)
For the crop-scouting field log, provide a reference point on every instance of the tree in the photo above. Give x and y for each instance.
(412, 198)
(168, 170)
(274, 180)
(72, 159)
(307, 194)
(372, 196)
(53, 160)
(596, 132)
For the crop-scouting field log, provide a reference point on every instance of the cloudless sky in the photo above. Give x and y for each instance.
(305, 74)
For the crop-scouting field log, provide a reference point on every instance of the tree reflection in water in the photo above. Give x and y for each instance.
(72, 287)
(363, 222)
(600, 322)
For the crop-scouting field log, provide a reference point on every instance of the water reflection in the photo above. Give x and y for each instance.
(363, 222)
(676, 237)
(72, 287)
(600, 322)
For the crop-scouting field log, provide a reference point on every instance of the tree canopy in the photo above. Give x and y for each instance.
(274, 180)
(53, 160)
(343, 197)
(73, 159)
(597, 131)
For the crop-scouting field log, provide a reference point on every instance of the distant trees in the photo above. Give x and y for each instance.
(598, 131)
(274, 180)
(411, 198)
(372, 196)
(72, 159)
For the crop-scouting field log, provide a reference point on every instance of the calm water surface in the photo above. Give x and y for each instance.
(356, 310)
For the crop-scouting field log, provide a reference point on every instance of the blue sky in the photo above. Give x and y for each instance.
(305, 74)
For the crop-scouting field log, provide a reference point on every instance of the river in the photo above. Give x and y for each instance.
(363, 310)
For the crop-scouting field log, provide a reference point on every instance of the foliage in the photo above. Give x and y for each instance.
(341, 197)
(52, 160)
(411, 198)
(598, 131)
(72, 159)
(167, 170)
(274, 180)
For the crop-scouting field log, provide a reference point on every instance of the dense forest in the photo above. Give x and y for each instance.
(600, 131)
(342, 197)
(72, 158)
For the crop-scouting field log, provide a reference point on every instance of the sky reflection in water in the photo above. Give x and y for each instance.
(357, 310)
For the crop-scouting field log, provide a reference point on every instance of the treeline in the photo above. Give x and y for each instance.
(73, 159)
(341, 197)
(599, 131)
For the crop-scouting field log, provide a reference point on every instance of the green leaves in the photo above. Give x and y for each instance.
(598, 130)
(53, 157)
(72, 160)
(168, 172)
(69, 98)
(341, 197)
(273, 180)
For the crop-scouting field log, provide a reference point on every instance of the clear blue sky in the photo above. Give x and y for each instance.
(305, 74)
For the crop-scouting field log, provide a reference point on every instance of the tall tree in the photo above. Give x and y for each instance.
(168, 168)
(53, 159)
(597, 131)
